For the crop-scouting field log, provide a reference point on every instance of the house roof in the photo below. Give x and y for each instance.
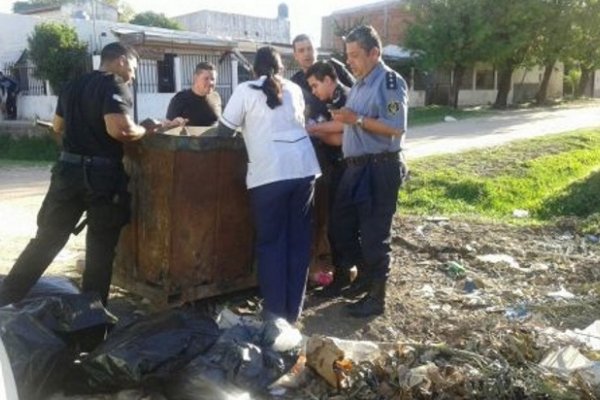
(365, 7)
(40, 9)
(45, 8)
(137, 34)
(391, 51)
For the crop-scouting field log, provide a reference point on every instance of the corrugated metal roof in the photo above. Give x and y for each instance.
(147, 34)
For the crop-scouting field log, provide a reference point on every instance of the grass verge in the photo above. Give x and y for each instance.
(550, 177)
(433, 114)
(41, 148)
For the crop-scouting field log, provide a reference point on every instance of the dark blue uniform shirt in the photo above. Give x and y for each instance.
(382, 95)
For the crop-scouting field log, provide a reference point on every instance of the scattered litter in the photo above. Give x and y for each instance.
(566, 360)
(455, 270)
(333, 358)
(437, 219)
(561, 294)
(566, 236)
(500, 259)
(592, 238)
(449, 118)
(517, 313)
(518, 213)
(427, 291)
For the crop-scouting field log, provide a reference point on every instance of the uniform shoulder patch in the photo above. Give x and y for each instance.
(393, 107)
(391, 82)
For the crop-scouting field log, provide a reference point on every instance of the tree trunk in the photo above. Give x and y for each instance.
(542, 94)
(504, 85)
(586, 75)
(459, 71)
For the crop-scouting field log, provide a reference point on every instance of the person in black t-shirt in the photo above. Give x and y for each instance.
(328, 153)
(306, 55)
(93, 118)
(200, 105)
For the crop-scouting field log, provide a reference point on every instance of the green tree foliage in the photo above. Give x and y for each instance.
(149, 18)
(514, 26)
(126, 12)
(57, 53)
(450, 35)
(555, 37)
(585, 47)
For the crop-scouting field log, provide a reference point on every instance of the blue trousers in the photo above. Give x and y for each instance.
(362, 214)
(283, 219)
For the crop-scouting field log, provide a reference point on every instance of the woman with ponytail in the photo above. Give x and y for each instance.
(282, 169)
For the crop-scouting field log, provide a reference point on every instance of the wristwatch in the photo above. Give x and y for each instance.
(360, 121)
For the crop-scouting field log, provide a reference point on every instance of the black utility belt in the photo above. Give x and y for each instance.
(373, 158)
(94, 161)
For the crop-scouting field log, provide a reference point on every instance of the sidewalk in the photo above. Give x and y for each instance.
(452, 137)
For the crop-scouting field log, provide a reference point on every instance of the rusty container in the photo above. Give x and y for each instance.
(191, 233)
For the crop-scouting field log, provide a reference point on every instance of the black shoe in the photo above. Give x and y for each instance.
(359, 287)
(341, 279)
(372, 304)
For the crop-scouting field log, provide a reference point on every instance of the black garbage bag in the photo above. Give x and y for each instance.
(144, 353)
(241, 361)
(38, 332)
(52, 286)
(68, 313)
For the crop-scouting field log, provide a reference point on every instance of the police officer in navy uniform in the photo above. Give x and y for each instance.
(93, 117)
(374, 121)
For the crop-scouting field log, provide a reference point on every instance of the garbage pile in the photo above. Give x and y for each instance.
(473, 311)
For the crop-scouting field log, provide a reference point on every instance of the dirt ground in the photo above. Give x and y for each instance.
(439, 290)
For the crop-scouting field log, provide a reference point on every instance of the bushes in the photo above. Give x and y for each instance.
(42, 148)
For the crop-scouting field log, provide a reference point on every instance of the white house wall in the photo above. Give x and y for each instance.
(14, 30)
(416, 98)
(153, 105)
(150, 105)
(36, 107)
(476, 97)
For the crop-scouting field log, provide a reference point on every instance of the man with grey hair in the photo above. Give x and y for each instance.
(374, 121)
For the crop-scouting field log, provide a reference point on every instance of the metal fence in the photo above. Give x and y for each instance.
(25, 75)
(24, 72)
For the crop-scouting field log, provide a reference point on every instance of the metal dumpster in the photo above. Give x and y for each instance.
(191, 234)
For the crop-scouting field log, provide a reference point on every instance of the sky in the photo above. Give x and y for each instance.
(305, 15)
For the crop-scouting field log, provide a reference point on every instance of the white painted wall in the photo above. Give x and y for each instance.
(150, 105)
(32, 107)
(416, 98)
(476, 97)
(153, 105)
(14, 30)
(237, 26)
(597, 83)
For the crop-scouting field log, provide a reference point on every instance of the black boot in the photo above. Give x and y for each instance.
(341, 279)
(372, 304)
(359, 286)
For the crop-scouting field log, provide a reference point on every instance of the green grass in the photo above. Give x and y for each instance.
(433, 114)
(41, 148)
(556, 176)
